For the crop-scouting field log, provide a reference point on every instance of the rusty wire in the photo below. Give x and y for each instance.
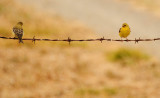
(69, 40)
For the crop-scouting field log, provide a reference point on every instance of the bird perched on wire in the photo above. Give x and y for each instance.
(124, 31)
(18, 31)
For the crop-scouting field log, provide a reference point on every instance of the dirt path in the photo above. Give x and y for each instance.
(106, 17)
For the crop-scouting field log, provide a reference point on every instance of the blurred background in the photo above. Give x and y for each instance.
(82, 69)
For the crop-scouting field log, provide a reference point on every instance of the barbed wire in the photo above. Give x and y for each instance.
(69, 40)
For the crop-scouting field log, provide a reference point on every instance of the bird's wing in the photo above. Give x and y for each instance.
(119, 30)
(21, 31)
(17, 30)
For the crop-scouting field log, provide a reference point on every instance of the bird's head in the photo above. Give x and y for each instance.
(20, 23)
(125, 25)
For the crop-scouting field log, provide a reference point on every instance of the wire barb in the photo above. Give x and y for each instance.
(101, 39)
(136, 41)
(34, 40)
(69, 40)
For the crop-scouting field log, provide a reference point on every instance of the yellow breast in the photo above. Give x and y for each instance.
(124, 32)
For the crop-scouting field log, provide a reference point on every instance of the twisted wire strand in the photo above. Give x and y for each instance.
(69, 40)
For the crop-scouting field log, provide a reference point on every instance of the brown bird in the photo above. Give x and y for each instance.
(18, 31)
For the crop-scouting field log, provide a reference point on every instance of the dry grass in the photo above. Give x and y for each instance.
(127, 56)
(73, 72)
(57, 70)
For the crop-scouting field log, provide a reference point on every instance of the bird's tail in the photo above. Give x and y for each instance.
(20, 39)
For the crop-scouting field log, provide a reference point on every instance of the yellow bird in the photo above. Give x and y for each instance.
(124, 31)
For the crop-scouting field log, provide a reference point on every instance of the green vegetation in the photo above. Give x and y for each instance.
(90, 91)
(1, 8)
(110, 91)
(127, 56)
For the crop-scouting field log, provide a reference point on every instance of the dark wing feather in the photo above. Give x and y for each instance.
(119, 30)
(18, 31)
(15, 30)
